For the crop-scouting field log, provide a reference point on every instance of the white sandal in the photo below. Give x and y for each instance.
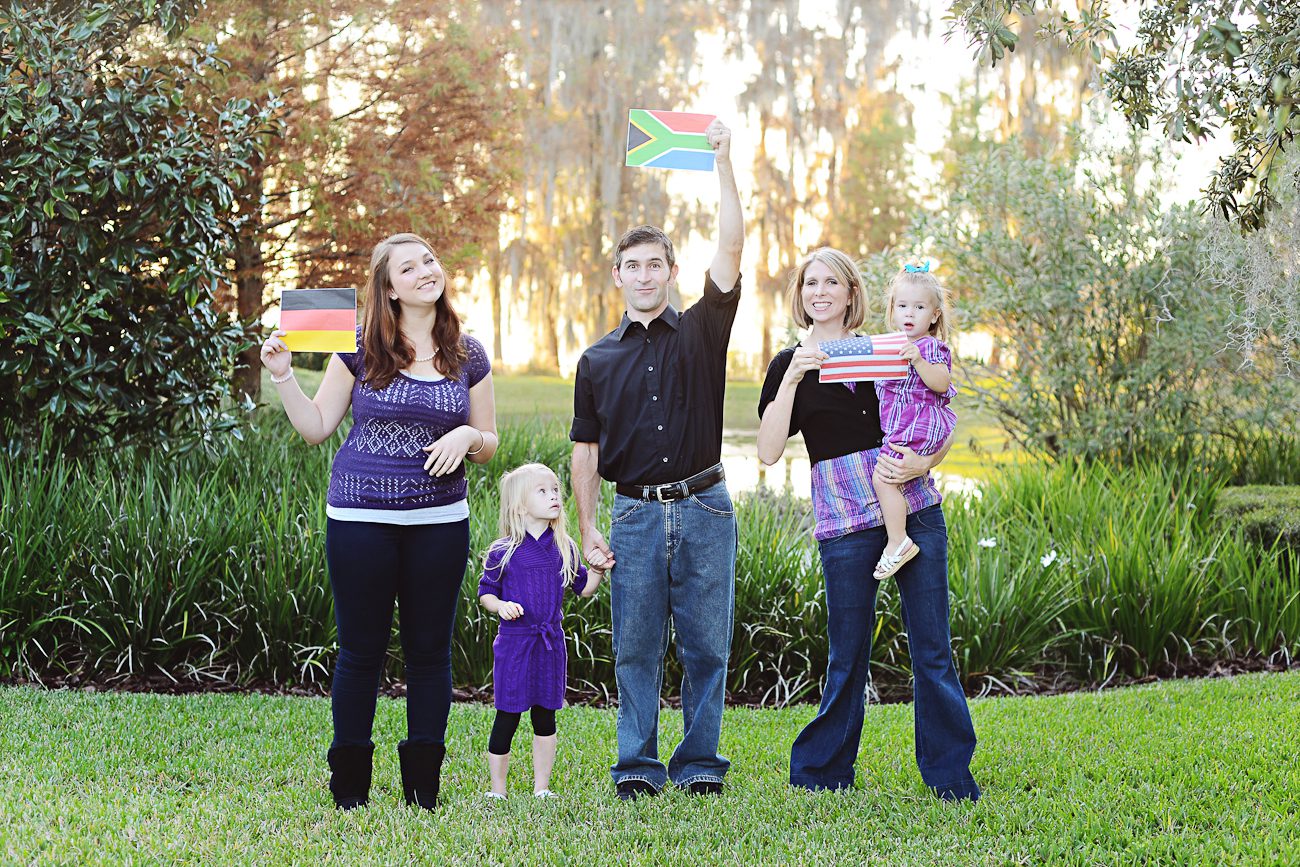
(493, 796)
(891, 563)
(545, 794)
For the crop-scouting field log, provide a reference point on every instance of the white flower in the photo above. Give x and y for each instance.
(1049, 558)
(990, 542)
(1191, 505)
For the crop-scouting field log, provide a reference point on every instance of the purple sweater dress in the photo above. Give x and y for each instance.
(910, 413)
(529, 659)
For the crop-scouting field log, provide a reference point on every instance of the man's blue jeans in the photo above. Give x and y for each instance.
(825, 751)
(675, 559)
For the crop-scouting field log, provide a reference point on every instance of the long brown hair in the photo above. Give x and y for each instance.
(386, 350)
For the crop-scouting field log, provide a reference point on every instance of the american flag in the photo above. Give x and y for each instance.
(857, 359)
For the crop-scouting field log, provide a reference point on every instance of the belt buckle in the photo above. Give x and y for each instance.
(659, 493)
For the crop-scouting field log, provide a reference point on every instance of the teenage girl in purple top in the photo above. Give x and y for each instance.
(914, 411)
(525, 574)
(397, 527)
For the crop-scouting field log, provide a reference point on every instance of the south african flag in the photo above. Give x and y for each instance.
(669, 140)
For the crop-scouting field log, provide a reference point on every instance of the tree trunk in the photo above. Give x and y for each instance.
(495, 266)
(250, 282)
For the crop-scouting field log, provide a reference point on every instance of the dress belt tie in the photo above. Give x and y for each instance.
(548, 632)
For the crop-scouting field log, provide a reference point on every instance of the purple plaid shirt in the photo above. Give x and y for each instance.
(910, 413)
(844, 500)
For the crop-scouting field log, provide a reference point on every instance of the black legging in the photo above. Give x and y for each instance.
(421, 568)
(504, 726)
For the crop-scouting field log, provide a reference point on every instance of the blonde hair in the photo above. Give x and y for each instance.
(924, 279)
(844, 270)
(514, 488)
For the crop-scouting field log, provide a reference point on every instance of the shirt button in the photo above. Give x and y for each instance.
(651, 367)
(665, 460)
(654, 397)
(661, 427)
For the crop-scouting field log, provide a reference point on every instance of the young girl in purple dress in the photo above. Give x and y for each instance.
(914, 412)
(525, 574)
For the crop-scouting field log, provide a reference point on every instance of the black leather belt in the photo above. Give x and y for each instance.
(674, 490)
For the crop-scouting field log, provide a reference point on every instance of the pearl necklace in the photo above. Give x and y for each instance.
(429, 358)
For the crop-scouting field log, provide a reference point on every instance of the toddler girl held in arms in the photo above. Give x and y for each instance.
(914, 411)
(525, 574)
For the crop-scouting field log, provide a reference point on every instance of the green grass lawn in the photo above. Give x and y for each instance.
(981, 443)
(1185, 771)
(521, 396)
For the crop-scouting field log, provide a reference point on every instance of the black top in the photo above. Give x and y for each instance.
(835, 421)
(652, 398)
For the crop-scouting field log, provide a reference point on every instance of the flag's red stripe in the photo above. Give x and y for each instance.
(684, 121)
(876, 373)
(866, 362)
(318, 320)
(863, 374)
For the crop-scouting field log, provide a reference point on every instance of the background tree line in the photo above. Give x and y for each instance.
(288, 137)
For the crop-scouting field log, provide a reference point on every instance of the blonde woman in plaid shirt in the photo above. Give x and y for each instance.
(841, 428)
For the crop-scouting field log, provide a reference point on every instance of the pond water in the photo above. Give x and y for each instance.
(792, 474)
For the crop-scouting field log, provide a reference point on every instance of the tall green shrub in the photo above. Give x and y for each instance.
(1095, 288)
(115, 217)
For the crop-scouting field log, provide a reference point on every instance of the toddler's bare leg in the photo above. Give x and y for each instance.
(497, 768)
(543, 761)
(894, 507)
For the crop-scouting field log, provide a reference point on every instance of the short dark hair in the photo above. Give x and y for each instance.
(638, 235)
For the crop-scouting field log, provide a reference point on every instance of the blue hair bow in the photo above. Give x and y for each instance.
(918, 269)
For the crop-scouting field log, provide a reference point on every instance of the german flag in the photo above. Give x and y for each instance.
(319, 320)
(669, 140)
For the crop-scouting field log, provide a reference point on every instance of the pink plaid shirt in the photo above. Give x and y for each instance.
(844, 500)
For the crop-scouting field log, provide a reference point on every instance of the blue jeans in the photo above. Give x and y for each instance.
(824, 753)
(675, 559)
(371, 566)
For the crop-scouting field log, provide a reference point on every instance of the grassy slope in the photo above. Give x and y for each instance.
(1194, 771)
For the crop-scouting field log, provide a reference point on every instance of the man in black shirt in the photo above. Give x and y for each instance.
(647, 410)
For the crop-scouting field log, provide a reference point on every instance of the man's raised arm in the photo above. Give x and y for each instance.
(731, 222)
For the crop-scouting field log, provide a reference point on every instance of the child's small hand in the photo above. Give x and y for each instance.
(510, 610)
(910, 353)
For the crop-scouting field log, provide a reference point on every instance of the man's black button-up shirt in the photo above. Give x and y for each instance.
(652, 397)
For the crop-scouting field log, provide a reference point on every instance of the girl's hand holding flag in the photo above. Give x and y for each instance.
(276, 356)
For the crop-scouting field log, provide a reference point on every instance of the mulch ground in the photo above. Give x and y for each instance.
(887, 692)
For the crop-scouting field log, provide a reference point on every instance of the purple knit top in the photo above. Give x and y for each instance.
(381, 465)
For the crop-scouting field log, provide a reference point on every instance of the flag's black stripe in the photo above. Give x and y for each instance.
(319, 299)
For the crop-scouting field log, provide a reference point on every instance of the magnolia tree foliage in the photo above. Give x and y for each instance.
(1196, 66)
(1097, 288)
(115, 201)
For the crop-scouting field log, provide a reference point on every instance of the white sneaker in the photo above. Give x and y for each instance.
(544, 794)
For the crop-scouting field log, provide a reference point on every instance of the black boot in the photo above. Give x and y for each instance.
(350, 775)
(421, 772)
